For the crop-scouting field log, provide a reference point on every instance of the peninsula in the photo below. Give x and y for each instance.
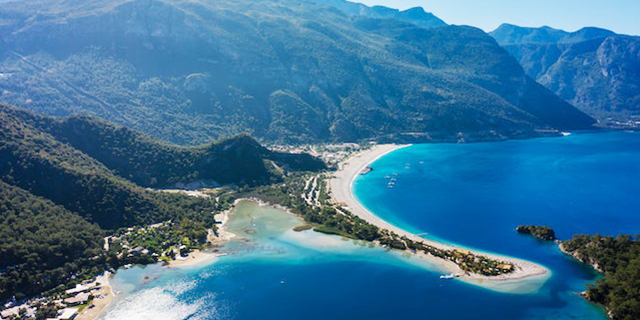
(341, 190)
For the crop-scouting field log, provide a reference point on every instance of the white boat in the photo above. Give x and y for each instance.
(447, 276)
(564, 134)
(366, 170)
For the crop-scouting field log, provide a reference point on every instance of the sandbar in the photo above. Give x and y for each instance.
(341, 185)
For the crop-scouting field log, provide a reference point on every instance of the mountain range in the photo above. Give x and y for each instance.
(594, 69)
(286, 71)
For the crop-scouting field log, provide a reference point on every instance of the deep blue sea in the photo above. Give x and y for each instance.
(473, 195)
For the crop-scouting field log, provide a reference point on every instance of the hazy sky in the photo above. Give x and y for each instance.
(621, 16)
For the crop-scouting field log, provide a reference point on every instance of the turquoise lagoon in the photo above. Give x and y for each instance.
(473, 195)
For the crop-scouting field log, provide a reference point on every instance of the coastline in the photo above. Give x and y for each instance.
(341, 185)
(106, 295)
(199, 257)
(196, 258)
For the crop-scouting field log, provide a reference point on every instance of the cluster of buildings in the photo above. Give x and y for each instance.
(80, 295)
(29, 311)
(331, 154)
(138, 250)
(11, 311)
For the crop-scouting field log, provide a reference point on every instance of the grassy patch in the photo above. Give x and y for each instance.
(302, 228)
(82, 306)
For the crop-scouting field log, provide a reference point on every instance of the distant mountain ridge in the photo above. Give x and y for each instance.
(512, 34)
(286, 71)
(594, 69)
(415, 15)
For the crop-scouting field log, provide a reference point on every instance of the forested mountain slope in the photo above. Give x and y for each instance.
(41, 243)
(287, 71)
(65, 182)
(91, 167)
(98, 146)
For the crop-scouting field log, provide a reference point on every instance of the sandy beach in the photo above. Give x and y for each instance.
(195, 258)
(103, 297)
(198, 257)
(341, 190)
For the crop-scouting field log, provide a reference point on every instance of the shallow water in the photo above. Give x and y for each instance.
(473, 195)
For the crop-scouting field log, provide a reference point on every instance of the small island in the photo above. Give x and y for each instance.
(544, 233)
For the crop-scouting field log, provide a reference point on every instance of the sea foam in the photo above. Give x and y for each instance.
(166, 302)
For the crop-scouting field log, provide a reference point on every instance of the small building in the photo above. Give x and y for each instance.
(505, 266)
(15, 311)
(80, 288)
(80, 298)
(67, 314)
(11, 312)
(137, 250)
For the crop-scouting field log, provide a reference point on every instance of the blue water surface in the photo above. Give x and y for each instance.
(473, 195)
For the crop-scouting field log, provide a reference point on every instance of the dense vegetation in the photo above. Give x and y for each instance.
(41, 244)
(594, 69)
(287, 71)
(619, 259)
(149, 163)
(33, 160)
(63, 186)
(164, 240)
(328, 218)
(541, 232)
(46, 248)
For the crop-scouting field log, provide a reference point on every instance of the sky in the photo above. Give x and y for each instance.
(620, 16)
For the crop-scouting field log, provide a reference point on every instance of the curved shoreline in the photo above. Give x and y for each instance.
(341, 185)
(104, 298)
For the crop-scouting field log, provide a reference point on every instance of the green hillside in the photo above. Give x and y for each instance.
(619, 260)
(66, 182)
(41, 244)
(190, 72)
